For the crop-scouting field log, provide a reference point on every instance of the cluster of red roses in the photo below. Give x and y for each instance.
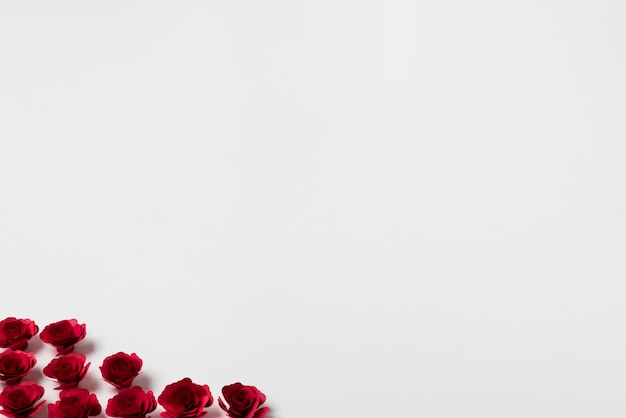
(182, 399)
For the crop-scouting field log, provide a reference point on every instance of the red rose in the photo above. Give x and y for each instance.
(243, 401)
(185, 399)
(15, 364)
(68, 370)
(63, 335)
(131, 403)
(120, 369)
(19, 401)
(15, 333)
(75, 403)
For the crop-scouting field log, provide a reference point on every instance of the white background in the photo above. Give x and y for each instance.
(364, 208)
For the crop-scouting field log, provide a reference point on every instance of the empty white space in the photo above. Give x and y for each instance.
(364, 208)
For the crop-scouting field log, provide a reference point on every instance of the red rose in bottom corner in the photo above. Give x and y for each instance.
(68, 370)
(75, 403)
(20, 401)
(15, 333)
(185, 399)
(243, 401)
(15, 364)
(131, 403)
(63, 334)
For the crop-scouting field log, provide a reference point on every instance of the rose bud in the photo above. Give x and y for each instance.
(75, 403)
(131, 403)
(68, 370)
(15, 333)
(120, 369)
(243, 401)
(20, 401)
(15, 364)
(185, 399)
(63, 335)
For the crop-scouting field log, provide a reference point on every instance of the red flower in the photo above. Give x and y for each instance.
(185, 399)
(120, 369)
(15, 333)
(15, 364)
(19, 401)
(75, 403)
(63, 334)
(68, 370)
(243, 401)
(131, 403)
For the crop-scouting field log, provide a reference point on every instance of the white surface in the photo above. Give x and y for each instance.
(364, 208)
